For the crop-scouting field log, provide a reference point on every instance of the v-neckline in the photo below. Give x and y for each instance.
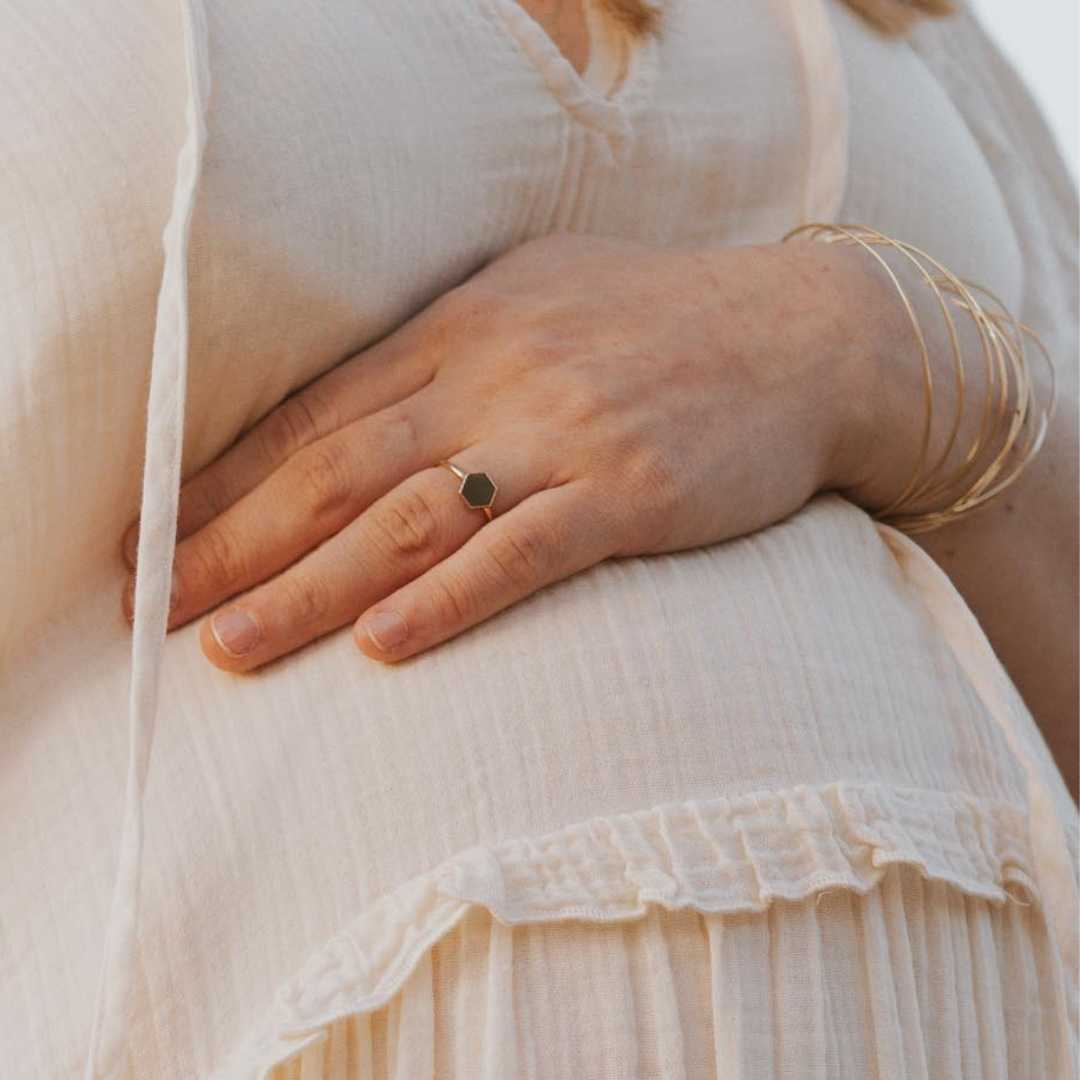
(582, 94)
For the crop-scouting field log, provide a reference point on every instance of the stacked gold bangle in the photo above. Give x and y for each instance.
(1012, 418)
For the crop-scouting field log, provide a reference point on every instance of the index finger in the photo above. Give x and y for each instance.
(387, 372)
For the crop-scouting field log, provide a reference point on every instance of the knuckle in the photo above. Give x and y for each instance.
(453, 603)
(407, 523)
(202, 500)
(326, 476)
(520, 557)
(399, 434)
(217, 558)
(291, 426)
(307, 600)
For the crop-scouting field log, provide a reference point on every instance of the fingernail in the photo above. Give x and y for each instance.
(131, 545)
(236, 631)
(386, 628)
(174, 593)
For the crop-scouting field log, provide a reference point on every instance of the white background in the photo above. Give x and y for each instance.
(1041, 38)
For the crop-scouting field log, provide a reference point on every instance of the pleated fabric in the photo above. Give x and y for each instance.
(913, 978)
(847, 931)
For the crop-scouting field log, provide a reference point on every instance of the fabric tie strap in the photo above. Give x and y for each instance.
(157, 541)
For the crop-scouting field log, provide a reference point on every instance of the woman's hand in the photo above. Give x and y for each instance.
(626, 400)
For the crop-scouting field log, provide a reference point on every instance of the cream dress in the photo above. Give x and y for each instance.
(765, 809)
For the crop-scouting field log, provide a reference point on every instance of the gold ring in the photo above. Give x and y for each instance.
(477, 488)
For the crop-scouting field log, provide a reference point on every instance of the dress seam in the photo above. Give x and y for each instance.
(761, 848)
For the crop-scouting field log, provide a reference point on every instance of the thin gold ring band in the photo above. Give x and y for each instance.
(476, 488)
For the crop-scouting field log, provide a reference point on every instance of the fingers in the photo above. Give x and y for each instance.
(315, 494)
(384, 374)
(400, 536)
(553, 534)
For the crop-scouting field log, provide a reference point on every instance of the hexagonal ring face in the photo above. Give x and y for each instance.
(479, 490)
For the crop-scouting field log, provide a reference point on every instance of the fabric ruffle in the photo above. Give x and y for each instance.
(721, 857)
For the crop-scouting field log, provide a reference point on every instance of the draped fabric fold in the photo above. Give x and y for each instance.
(157, 539)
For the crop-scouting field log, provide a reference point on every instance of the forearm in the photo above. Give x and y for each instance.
(1014, 559)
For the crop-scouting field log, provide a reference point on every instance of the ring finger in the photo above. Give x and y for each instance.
(401, 535)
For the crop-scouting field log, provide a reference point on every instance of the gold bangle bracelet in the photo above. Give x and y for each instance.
(1017, 430)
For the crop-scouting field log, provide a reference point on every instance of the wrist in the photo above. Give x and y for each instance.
(921, 446)
(831, 350)
(864, 333)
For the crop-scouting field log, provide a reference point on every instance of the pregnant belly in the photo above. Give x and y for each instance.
(816, 652)
(804, 654)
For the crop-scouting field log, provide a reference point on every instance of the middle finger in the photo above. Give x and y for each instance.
(406, 532)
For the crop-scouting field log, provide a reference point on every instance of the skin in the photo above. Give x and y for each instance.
(1014, 560)
(628, 400)
(564, 22)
